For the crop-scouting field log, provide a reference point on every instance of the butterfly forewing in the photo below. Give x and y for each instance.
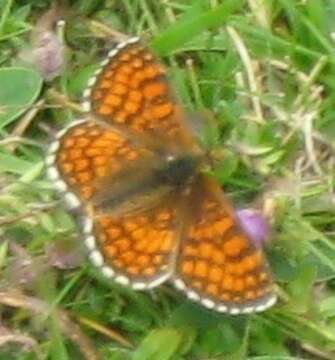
(87, 154)
(218, 265)
(131, 91)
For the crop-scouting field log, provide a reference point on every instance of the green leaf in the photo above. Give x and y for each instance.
(267, 338)
(301, 287)
(282, 265)
(218, 340)
(3, 253)
(184, 30)
(19, 89)
(159, 344)
(275, 357)
(78, 80)
(13, 164)
(192, 315)
(58, 349)
(227, 168)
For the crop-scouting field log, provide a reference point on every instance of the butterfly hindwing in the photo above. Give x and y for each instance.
(136, 249)
(218, 265)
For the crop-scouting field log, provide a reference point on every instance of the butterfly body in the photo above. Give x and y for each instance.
(138, 185)
(177, 172)
(133, 169)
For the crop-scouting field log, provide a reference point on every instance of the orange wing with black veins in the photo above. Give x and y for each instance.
(218, 265)
(136, 249)
(87, 154)
(131, 91)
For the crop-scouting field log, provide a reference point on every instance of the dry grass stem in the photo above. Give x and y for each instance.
(246, 60)
(69, 328)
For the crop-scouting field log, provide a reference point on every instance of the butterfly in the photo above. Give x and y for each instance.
(133, 170)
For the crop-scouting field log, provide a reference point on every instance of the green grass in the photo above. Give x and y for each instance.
(264, 71)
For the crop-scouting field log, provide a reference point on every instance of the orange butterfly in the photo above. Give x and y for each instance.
(133, 169)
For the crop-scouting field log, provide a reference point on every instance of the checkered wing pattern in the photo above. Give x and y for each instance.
(135, 249)
(131, 91)
(88, 154)
(218, 265)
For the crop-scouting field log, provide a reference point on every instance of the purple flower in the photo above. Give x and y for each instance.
(255, 225)
(48, 55)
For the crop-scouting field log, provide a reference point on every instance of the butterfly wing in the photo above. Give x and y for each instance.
(131, 91)
(133, 247)
(136, 249)
(86, 155)
(132, 117)
(218, 265)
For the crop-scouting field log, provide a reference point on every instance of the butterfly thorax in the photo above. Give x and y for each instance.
(177, 171)
(143, 185)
